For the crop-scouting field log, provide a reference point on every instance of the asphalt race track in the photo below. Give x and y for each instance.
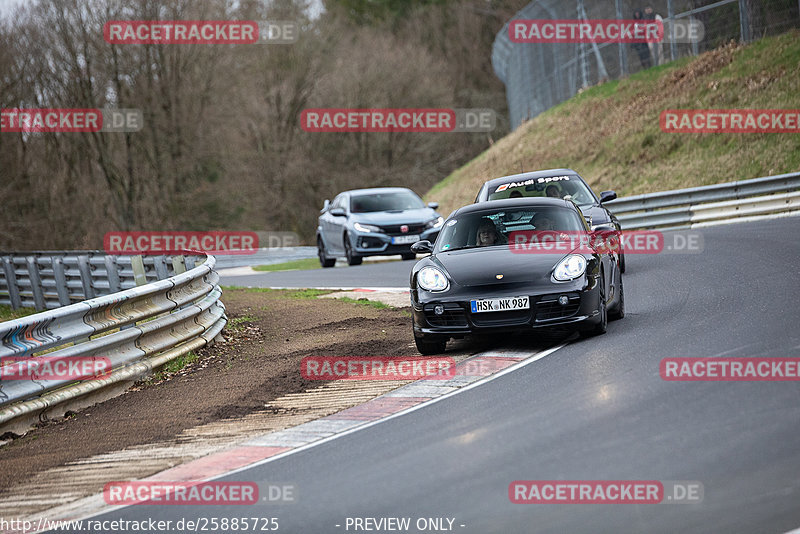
(594, 410)
(368, 274)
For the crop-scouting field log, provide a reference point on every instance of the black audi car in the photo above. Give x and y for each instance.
(555, 183)
(480, 278)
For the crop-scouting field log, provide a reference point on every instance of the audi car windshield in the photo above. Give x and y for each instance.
(553, 186)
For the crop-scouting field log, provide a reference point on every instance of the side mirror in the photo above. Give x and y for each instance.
(605, 196)
(338, 212)
(433, 205)
(325, 206)
(606, 239)
(422, 247)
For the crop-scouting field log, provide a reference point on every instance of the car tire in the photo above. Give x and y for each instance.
(409, 256)
(619, 309)
(352, 259)
(601, 327)
(324, 260)
(430, 348)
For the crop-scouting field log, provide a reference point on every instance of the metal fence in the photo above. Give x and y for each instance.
(48, 280)
(710, 204)
(539, 76)
(131, 332)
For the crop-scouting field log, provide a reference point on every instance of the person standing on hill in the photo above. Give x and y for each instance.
(641, 48)
(656, 49)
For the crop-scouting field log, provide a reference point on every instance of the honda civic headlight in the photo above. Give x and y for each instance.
(366, 227)
(570, 268)
(436, 223)
(432, 279)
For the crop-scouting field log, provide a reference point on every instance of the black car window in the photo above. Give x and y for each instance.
(394, 201)
(462, 232)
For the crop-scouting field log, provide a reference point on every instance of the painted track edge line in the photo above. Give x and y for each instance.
(534, 358)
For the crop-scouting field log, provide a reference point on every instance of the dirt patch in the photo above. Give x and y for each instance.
(268, 334)
(705, 64)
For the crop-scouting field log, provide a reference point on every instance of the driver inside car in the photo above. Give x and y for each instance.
(487, 234)
(552, 191)
(542, 222)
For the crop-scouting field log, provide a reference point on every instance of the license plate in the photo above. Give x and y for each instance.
(495, 305)
(405, 239)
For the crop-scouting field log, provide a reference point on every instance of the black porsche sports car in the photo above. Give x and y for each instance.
(478, 278)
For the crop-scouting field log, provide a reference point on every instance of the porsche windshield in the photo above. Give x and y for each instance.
(553, 186)
(492, 228)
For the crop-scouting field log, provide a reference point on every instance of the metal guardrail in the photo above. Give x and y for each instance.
(684, 208)
(134, 330)
(51, 279)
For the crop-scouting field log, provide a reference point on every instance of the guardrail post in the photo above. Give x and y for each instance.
(86, 277)
(36, 283)
(11, 281)
(139, 276)
(178, 264)
(112, 274)
(61, 280)
(160, 265)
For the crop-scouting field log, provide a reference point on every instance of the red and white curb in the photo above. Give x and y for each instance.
(470, 373)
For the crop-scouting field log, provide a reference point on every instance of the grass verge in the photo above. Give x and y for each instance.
(293, 293)
(294, 265)
(7, 314)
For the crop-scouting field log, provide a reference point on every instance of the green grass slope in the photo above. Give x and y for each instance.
(611, 135)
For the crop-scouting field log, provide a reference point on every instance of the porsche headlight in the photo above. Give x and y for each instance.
(432, 279)
(366, 227)
(570, 268)
(436, 223)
